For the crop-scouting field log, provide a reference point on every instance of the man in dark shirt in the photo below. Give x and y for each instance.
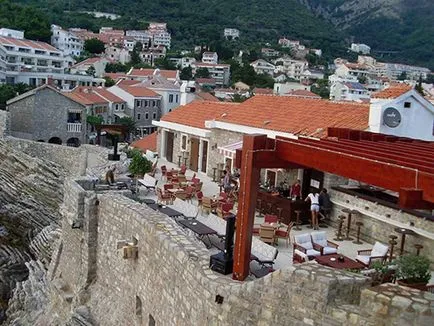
(325, 203)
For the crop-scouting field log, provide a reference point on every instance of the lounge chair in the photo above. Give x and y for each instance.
(377, 253)
(303, 242)
(320, 243)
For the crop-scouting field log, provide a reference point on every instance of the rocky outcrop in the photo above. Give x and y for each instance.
(31, 190)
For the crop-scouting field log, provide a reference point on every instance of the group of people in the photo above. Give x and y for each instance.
(320, 204)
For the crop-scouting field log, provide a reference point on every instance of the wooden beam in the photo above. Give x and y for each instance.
(246, 204)
(413, 199)
(375, 172)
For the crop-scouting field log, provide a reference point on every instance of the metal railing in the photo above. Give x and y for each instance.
(73, 127)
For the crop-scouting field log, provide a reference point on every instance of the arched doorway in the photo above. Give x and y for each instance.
(55, 140)
(73, 142)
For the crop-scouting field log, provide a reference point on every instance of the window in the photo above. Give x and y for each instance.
(138, 116)
(177, 98)
(407, 104)
(170, 98)
(183, 142)
(116, 107)
(146, 115)
(146, 103)
(138, 104)
(154, 115)
(153, 103)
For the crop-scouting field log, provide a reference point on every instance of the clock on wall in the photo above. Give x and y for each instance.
(391, 117)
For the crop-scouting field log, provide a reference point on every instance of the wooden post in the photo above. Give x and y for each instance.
(246, 204)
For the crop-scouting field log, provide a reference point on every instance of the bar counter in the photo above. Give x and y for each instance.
(288, 207)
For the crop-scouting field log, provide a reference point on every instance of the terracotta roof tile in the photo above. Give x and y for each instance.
(148, 142)
(103, 92)
(128, 82)
(393, 91)
(264, 91)
(115, 75)
(149, 72)
(204, 96)
(27, 43)
(139, 91)
(301, 116)
(86, 96)
(302, 93)
(196, 113)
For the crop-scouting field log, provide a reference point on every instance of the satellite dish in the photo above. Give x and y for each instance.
(391, 117)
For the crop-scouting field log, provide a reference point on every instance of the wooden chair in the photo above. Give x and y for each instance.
(198, 186)
(182, 178)
(267, 234)
(208, 204)
(377, 253)
(271, 218)
(285, 233)
(163, 197)
(320, 242)
(183, 169)
(189, 192)
(199, 197)
(224, 210)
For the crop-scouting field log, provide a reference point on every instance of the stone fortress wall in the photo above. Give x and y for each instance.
(170, 281)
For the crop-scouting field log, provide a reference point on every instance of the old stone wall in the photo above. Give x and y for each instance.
(4, 123)
(21, 118)
(379, 222)
(170, 281)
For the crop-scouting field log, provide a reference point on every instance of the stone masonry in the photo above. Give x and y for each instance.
(170, 281)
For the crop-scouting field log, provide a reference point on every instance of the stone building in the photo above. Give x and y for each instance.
(45, 114)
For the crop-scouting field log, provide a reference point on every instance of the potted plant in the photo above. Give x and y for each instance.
(413, 271)
(139, 165)
(383, 272)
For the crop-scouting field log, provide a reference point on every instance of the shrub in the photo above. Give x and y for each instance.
(139, 165)
(413, 269)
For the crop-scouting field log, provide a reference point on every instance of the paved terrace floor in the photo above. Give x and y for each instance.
(285, 255)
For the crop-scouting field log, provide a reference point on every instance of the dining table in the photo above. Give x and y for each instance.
(165, 210)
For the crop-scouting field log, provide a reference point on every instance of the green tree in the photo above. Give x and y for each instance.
(419, 87)
(186, 73)
(139, 165)
(135, 54)
(321, 88)
(402, 76)
(130, 123)
(94, 120)
(202, 73)
(117, 67)
(165, 63)
(109, 81)
(6, 93)
(264, 81)
(94, 46)
(91, 71)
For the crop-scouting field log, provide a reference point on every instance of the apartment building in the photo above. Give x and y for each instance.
(231, 33)
(66, 41)
(220, 72)
(159, 33)
(210, 57)
(141, 36)
(263, 67)
(291, 67)
(348, 91)
(360, 48)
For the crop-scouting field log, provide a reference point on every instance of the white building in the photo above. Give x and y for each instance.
(231, 33)
(183, 62)
(347, 91)
(159, 34)
(12, 33)
(66, 41)
(360, 48)
(139, 35)
(34, 62)
(401, 111)
(114, 53)
(284, 88)
(220, 72)
(129, 43)
(263, 67)
(97, 63)
(291, 67)
(210, 57)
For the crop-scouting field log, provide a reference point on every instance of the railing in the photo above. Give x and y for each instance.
(73, 127)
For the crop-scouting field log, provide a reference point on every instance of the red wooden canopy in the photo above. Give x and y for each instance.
(399, 164)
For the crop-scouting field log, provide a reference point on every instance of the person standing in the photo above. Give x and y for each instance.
(325, 203)
(313, 197)
(296, 190)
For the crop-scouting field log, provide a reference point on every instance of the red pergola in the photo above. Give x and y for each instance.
(399, 164)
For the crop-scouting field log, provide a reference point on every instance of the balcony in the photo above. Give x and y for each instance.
(73, 127)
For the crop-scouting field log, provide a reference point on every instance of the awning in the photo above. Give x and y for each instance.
(121, 114)
(230, 150)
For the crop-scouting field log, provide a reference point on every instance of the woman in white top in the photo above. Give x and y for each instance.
(313, 197)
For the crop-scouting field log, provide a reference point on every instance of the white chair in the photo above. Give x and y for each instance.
(303, 242)
(377, 253)
(320, 242)
(264, 253)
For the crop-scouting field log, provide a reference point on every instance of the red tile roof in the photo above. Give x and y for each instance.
(204, 96)
(196, 113)
(302, 93)
(148, 142)
(103, 92)
(149, 72)
(85, 96)
(263, 91)
(127, 82)
(301, 116)
(139, 91)
(115, 75)
(27, 43)
(393, 91)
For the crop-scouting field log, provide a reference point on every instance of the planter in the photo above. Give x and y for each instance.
(418, 286)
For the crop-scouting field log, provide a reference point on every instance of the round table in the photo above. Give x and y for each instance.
(403, 232)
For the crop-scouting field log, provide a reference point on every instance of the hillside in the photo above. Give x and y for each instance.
(403, 26)
(195, 22)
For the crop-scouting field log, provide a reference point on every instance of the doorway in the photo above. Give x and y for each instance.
(312, 179)
(194, 154)
(204, 159)
(169, 146)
